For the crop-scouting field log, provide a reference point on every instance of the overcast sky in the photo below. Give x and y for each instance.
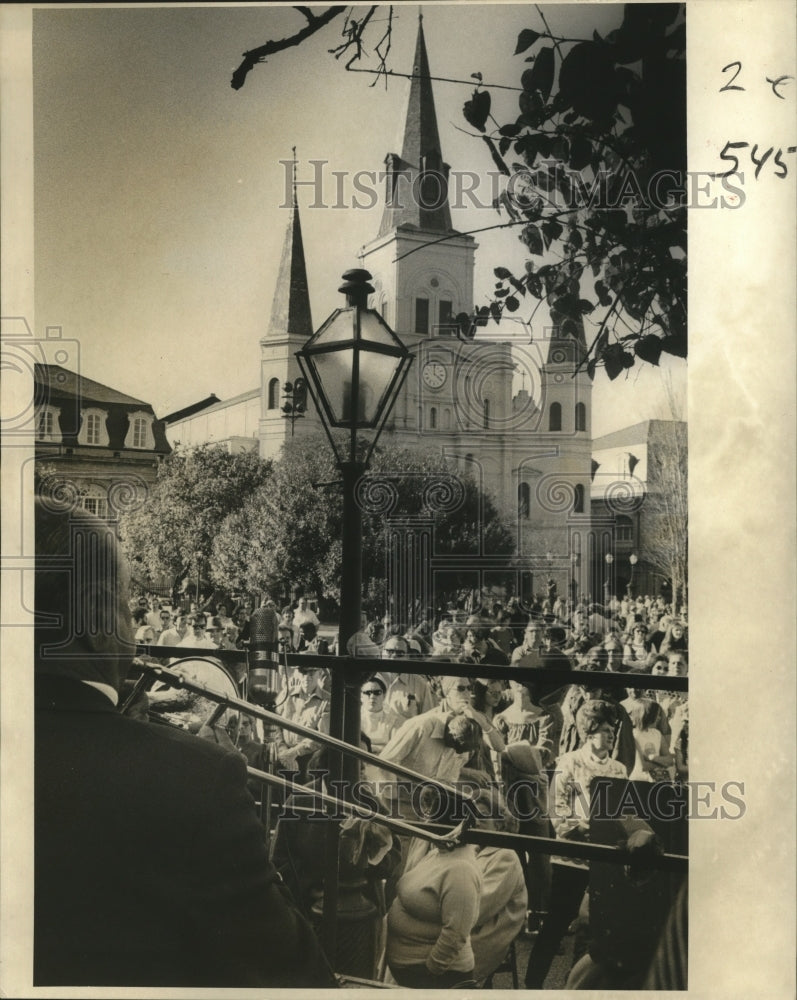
(158, 188)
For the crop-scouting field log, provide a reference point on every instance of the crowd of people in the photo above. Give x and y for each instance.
(528, 751)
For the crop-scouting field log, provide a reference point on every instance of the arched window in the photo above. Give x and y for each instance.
(433, 418)
(523, 500)
(446, 419)
(95, 501)
(578, 503)
(581, 417)
(555, 417)
(274, 394)
(486, 414)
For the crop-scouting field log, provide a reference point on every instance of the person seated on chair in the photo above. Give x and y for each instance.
(503, 900)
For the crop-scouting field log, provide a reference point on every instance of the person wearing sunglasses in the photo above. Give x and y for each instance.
(376, 720)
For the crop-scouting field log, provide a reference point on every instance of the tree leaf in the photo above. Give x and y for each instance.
(649, 348)
(511, 303)
(613, 361)
(552, 230)
(601, 291)
(511, 130)
(525, 40)
(675, 343)
(580, 152)
(477, 109)
(533, 240)
(540, 77)
(502, 273)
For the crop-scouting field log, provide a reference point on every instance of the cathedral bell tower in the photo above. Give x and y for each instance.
(290, 326)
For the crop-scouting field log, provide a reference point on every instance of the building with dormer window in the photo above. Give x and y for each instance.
(95, 438)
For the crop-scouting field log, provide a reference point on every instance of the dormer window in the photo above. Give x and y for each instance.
(93, 430)
(139, 431)
(47, 426)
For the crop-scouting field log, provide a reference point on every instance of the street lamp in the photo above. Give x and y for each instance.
(609, 561)
(354, 367)
(295, 401)
(633, 559)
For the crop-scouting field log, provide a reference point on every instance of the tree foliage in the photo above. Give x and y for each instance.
(288, 534)
(196, 489)
(595, 165)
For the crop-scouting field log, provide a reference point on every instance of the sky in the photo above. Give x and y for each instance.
(160, 192)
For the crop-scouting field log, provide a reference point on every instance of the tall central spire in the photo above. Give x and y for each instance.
(417, 193)
(420, 128)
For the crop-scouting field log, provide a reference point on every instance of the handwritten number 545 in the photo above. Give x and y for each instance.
(781, 170)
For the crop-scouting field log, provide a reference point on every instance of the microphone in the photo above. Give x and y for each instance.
(262, 655)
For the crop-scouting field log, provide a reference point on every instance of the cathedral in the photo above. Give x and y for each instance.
(502, 406)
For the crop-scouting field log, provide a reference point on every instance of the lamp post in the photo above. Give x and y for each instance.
(295, 401)
(354, 367)
(607, 585)
(633, 559)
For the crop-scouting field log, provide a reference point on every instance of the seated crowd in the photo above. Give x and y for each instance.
(452, 915)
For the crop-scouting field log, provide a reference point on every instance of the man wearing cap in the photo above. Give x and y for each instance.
(307, 705)
(150, 864)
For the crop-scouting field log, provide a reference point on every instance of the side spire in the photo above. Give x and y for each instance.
(417, 193)
(290, 310)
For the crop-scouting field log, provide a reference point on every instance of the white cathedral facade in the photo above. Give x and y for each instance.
(529, 447)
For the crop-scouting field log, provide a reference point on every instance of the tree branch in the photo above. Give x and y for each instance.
(258, 55)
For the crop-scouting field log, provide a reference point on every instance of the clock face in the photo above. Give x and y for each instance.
(434, 374)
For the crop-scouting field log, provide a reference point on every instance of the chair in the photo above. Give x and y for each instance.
(509, 964)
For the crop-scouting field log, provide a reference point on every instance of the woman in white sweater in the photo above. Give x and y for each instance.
(503, 899)
(429, 923)
(456, 912)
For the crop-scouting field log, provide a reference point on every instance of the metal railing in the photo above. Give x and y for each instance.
(438, 834)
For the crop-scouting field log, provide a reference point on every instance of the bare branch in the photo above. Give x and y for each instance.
(388, 36)
(353, 32)
(258, 55)
(442, 79)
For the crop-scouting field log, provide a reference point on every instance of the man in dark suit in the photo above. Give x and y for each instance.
(150, 862)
